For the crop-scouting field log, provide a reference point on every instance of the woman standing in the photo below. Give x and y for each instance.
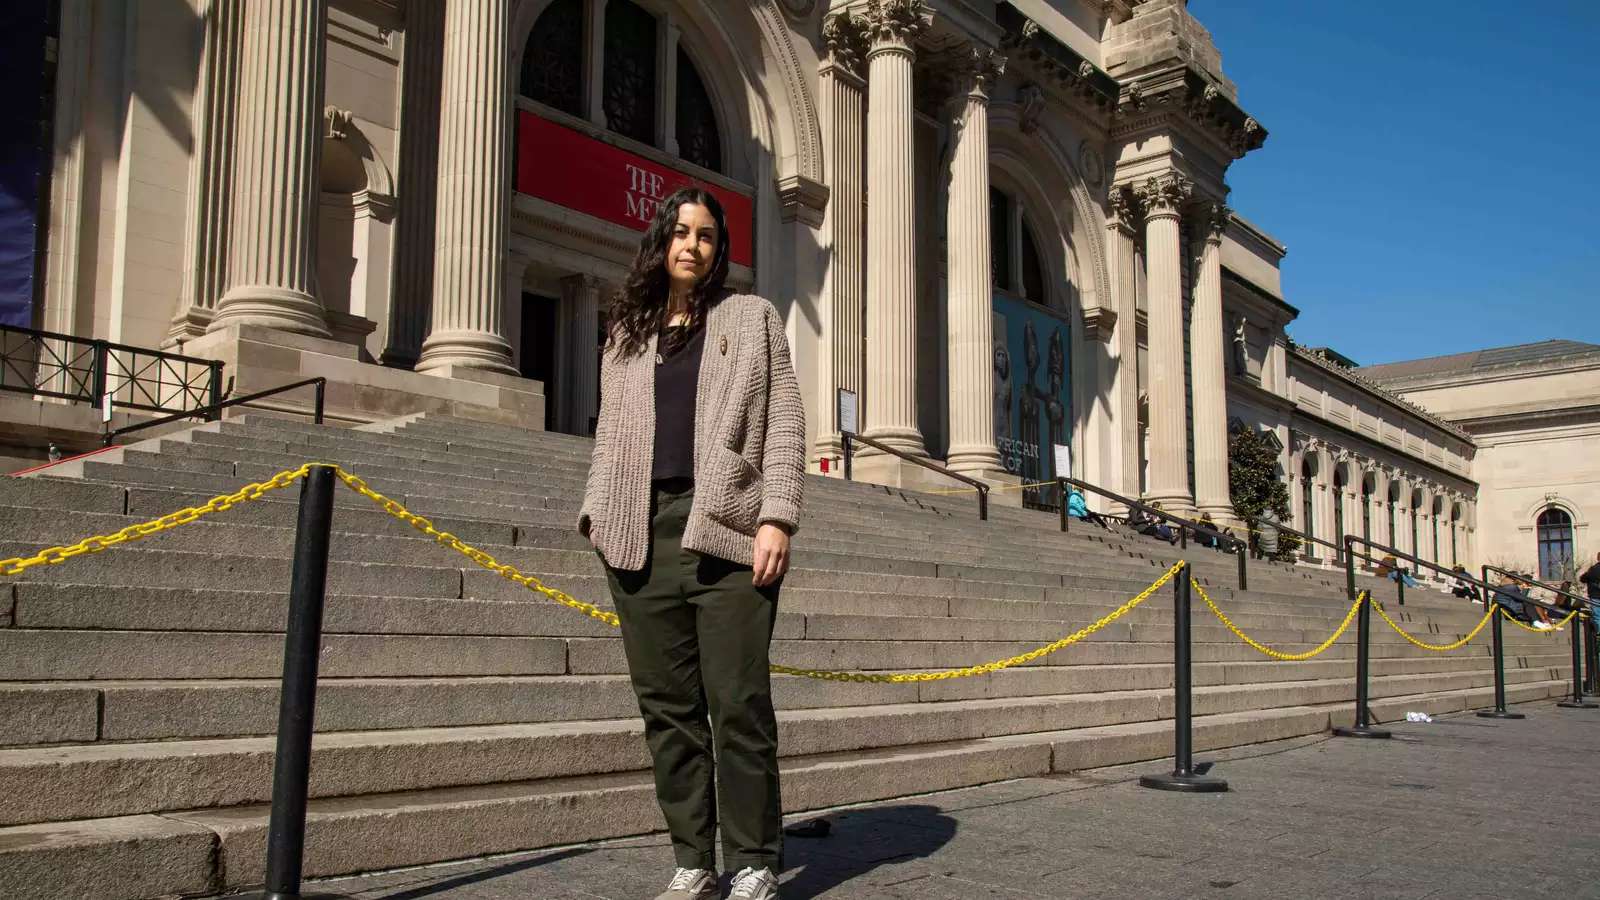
(694, 491)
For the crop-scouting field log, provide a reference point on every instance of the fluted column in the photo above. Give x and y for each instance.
(1121, 225)
(467, 324)
(205, 246)
(272, 267)
(891, 401)
(580, 294)
(1164, 196)
(971, 309)
(841, 108)
(1208, 369)
(417, 181)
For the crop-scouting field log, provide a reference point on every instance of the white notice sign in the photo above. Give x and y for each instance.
(1063, 460)
(847, 412)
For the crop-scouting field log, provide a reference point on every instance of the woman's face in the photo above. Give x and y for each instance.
(693, 246)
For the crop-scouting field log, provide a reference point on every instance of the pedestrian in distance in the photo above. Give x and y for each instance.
(1463, 588)
(1266, 542)
(694, 492)
(1145, 523)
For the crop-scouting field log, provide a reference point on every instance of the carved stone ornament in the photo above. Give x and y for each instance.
(1092, 164)
(895, 22)
(982, 67)
(1211, 220)
(845, 37)
(1122, 205)
(1030, 97)
(798, 9)
(1099, 323)
(1165, 194)
(336, 123)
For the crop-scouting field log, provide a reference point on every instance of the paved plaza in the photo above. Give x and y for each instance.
(1460, 808)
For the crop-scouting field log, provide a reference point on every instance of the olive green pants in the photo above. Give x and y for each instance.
(696, 633)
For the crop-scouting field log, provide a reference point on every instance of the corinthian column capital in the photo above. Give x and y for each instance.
(1211, 220)
(1165, 195)
(845, 38)
(1122, 208)
(980, 68)
(895, 25)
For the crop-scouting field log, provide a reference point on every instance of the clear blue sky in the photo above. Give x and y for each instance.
(1433, 167)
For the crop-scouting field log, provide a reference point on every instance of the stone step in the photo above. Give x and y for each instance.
(171, 853)
(163, 710)
(63, 783)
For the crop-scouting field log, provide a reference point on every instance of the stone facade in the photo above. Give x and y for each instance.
(1534, 412)
(1002, 226)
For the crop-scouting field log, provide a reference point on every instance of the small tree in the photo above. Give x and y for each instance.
(1253, 485)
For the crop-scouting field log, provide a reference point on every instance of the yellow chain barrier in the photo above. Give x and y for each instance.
(988, 667)
(1278, 654)
(1435, 648)
(254, 491)
(55, 555)
(1518, 622)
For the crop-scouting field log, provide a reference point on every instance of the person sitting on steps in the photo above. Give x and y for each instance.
(1143, 522)
(1078, 509)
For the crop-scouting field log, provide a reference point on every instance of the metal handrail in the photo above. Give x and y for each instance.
(1402, 555)
(983, 488)
(1241, 547)
(215, 408)
(87, 369)
(1531, 582)
(1329, 544)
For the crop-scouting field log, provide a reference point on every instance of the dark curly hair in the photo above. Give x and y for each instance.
(639, 308)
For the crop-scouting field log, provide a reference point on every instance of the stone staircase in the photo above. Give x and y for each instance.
(461, 715)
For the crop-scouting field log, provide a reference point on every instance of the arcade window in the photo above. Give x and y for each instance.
(1555, 543)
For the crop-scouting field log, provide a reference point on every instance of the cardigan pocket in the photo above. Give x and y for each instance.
(736, 491)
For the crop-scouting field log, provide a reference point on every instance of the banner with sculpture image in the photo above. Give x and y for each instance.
(1032, 393)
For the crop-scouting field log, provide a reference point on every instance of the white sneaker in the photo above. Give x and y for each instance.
(691, 884)
(1542, 625)
(754, 884)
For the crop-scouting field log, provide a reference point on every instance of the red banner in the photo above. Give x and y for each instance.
(571, 169)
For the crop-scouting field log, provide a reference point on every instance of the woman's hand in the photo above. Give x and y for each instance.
(771, 554)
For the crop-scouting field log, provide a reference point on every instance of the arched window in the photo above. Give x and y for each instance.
(1338, 511)
(552, 65)
(699, 140)
(1555, 543)
(1015, 265)
(1366, 508)
(633, 100)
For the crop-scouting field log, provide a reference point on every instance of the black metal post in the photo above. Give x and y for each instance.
(983, 504)
(215, 392)
(1592, 647)
(1499, 711)
(1362, 728)
(1183, 777)
(848, 454)
(1399, 587)
(97, 380)
(1183, 536)
(322, 387)
(1242, 551)
(1577, 701)
(286, 828)
(1063, 486)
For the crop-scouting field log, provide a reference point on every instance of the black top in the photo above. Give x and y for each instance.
(677, 384)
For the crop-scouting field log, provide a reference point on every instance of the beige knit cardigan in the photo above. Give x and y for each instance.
(749, 441)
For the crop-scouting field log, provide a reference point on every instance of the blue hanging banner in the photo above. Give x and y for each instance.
(24, 157)
(1032, 392)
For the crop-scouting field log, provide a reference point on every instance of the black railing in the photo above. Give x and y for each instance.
(983, 489)
(1579, 634)
(46, 364)
(212, 411)
(1185, 526)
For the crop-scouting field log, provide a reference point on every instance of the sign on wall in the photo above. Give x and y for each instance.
(1032, 393)
(572, 169)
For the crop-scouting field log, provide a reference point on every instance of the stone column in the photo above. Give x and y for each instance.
(516, 270)
(841, 111)
(272, 267)
(891, 401)
(1164, 196)
(580, 296)
(205, 246)
(1121, 226)
(474, 192)
(1208, 369)
(1325, 498)
(971, 309)
(417, 179)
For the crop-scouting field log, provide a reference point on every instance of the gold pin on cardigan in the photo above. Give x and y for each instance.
(724, 345)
